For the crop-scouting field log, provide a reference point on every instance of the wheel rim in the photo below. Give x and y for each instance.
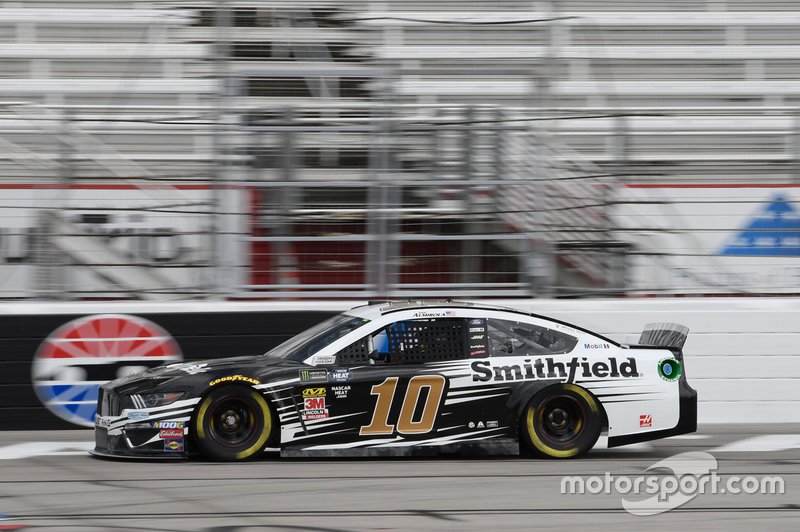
(233, 422)
(561, 420)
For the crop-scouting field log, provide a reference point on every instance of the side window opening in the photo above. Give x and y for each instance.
(409, 342)
(507, 338)
(356, 353)
(418, 341)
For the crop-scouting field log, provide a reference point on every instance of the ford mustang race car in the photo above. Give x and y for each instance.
(400, 377)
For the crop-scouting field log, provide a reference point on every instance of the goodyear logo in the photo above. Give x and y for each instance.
(234, 378)
(314, 392)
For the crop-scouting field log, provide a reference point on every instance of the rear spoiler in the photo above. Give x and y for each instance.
(669, 335)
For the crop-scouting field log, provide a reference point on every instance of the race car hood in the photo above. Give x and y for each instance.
(205, 366)
(201, 371)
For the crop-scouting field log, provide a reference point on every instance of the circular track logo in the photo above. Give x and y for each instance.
(669, 369)
(78, 357)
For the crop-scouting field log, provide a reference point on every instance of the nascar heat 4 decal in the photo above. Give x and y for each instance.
(406, 376)
(72, 363)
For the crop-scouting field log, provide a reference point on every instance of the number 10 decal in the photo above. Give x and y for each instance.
(405, 423)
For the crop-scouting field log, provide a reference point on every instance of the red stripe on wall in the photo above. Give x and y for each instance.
(713, 185)
(101, 186)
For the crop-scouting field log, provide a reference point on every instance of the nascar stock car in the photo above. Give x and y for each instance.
(406, 376)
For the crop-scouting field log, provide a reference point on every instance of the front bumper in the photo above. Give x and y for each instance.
(154, 433)
(136, 456)
(141, 442)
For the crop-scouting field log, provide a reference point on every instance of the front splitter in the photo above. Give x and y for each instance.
(120, 456)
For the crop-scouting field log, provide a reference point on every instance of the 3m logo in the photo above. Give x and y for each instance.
(314, 403)
(645, 421)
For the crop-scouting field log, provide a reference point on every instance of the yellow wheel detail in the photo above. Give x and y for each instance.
(587, 397)
(541, 446)
(262, 441)
(232, 423)
(201, 414)
(561, 422)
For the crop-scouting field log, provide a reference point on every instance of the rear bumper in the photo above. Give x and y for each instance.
(687, 420)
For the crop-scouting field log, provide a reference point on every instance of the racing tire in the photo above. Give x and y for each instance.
(561, 422)
(232, 423)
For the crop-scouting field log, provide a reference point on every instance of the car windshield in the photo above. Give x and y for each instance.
(308, 342)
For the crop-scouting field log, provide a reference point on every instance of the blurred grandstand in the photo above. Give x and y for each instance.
(352, 149)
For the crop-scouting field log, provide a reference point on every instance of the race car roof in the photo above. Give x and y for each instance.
(376, 309)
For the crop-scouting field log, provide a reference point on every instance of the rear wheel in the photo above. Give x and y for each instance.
(232, 423)
(561, 422)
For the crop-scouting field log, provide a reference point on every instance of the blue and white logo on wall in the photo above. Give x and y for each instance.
(81, 355)
(774, 232)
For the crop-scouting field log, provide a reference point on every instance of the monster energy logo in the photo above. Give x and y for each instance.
(313, 375)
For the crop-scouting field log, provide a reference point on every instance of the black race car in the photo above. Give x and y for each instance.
(403, 377)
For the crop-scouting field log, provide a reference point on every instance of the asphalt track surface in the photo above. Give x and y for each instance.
(47, 481)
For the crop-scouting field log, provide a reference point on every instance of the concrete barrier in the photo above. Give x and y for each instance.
(742, 354)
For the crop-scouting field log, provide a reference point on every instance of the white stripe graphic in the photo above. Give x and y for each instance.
(278, 383)
(110, 339)
(475, 390)
(441, 439)
(468, 399)
(351, 445)
(316, 435)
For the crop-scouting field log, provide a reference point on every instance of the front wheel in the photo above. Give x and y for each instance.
(561, 422)
(232, 423)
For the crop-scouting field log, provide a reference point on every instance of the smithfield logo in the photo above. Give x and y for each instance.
(77, 358)
(549, 368)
